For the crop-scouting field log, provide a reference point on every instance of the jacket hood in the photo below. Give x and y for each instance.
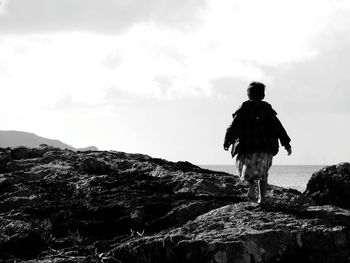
(255, 106)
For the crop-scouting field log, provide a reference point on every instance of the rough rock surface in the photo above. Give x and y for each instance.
(65, 206)
(331, 186)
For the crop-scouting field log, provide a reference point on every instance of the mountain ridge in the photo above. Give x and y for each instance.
(14, 138)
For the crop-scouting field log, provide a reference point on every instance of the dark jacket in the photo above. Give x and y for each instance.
(255, 128)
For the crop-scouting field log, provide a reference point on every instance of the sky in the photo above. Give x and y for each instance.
(162, 77)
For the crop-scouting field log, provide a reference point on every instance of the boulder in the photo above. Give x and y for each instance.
(331, 186)
(245, 232)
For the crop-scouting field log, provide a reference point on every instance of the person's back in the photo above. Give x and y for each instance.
(254, 134)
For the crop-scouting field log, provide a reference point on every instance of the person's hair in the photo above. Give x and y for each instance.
(256, 91)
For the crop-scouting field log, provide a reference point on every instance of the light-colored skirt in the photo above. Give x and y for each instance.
(253, 166)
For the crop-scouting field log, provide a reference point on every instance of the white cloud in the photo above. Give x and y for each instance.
(103, 16)
(112, 60)
(234, 40)
(62, 73)
(267, 32)
(3, 6)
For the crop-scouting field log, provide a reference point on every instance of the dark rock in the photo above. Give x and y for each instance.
(41, 150)
(94, 166)
(24, 245)
(19, 152)
(243, 232)
(95, 206)
(331, 186)
(13, 166)
(5, 184)
(4, 159)
(19, 238)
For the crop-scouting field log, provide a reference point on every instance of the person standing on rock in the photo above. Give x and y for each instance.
(254, 134)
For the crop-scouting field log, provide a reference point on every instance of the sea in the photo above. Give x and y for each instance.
(288, 176)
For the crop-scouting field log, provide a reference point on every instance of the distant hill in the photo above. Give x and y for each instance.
(19, 138)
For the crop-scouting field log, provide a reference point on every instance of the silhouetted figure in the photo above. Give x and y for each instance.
(254, 134)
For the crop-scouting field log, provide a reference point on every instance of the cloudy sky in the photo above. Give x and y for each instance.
(162, 77)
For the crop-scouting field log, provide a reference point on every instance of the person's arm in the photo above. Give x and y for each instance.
(283, 136)
(228, 137)
(231, 133)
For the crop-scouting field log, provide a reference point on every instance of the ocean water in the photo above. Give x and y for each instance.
(289, 176)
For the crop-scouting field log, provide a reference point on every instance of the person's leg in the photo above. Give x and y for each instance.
(262, 185)
(265, 162)
(251, 190)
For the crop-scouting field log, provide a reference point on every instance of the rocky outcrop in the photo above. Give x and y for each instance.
(246, 232)
(331, 186)
(66, 206)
